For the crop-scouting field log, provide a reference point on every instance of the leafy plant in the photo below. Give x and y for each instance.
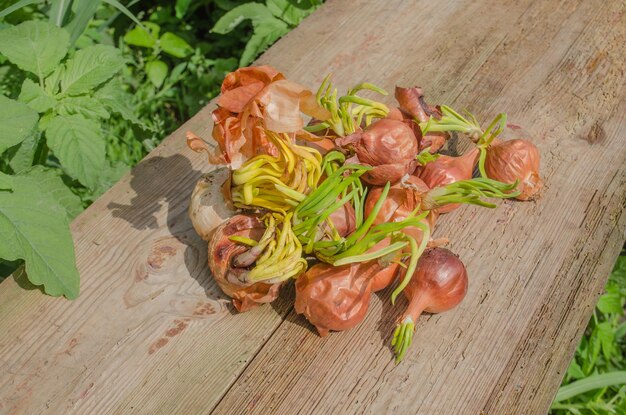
(270, 21)
(595, 382)
(54, 122)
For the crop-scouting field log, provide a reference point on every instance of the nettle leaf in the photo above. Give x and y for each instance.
(51, 83)
(610, 303)
(84, 105)
(139, 36)
(89, 68)
(6, 182)
(174, 45)
(606, 337)
(113, 96)
(34, 227)
(34, 46)
(36, 97)
(26, 153)
(256, 12)
(157, 72)
(51, 180)
(289, 12)
(17, 120)
(79, 146)
(264, 35)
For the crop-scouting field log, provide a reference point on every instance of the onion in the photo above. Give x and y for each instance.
(222, 253)
(388, 145)
(438, 284)
(210, 202)
(445, 170)
(412, 101)
(511, 160)
(333, 298)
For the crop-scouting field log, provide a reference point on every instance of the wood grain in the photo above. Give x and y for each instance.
(151, 333)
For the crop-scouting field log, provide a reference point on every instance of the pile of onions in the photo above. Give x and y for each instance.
(346, 205)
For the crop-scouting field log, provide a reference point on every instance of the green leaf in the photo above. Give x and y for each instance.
(58, 11)
(607, 339)
(79, 146)
(287, 11)
(89, 68)
(181, 8)
(113, 96)
(17, 6)
(143, 37)
(157, 72)
(50, 179)
(34, 46)
(574, 370)
(6, 181)
(36, 97)
(86, 106)
(51, 83)
(123, 9)
(264, 35)
(610, 303)
(256, 12)
(174, 45)
(84, 10)
(591, 383)
(34, 227)
(17, 120)
(27, 153)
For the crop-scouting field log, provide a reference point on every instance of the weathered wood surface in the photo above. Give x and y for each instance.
(151, 333)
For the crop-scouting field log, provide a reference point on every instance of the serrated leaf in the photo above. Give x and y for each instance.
(86, 106)
(264, 35)
(36, 97)
(50, 179)
(34, 227)
(157, 72)
(610, 303)
(26, 153)
(574, 370)
(139, 36)
(174, 45)
(113, 96)
(256, 12)
(34, 46)
(289, 12)
(89, 68)
(17, 120)
(606, 338)
(79, 146)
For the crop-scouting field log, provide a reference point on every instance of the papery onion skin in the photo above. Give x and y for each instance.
(518, 159)
(344, 220)
(438, 284)
(403, 198)
(388, 145)
(412, 101)
(221, 252)
(333, 298)
(210, 202)
(446, 170)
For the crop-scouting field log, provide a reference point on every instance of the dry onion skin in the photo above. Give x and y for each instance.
(222, 251)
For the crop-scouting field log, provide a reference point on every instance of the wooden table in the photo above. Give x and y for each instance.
(151, 333)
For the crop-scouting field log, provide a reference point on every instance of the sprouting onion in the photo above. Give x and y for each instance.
(277, 183)
(349, 111)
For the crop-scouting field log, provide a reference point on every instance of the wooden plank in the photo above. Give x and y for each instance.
(536, 269)
(152, 334)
